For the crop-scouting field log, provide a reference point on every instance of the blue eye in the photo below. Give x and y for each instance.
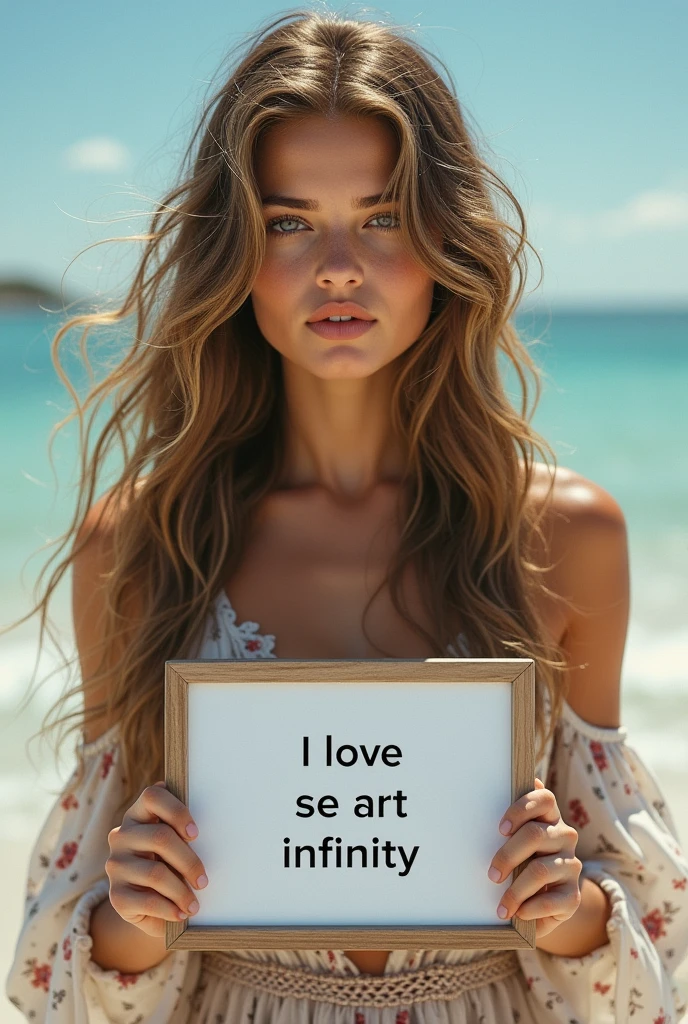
(391, 216)
(297, 220)
(279, 220)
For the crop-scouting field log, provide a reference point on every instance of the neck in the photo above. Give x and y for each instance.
(339, 434)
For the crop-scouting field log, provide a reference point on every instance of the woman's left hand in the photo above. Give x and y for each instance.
(547, 889)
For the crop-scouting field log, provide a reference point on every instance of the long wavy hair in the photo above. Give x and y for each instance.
(198, 403)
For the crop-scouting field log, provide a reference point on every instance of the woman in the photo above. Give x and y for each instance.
(315, 471)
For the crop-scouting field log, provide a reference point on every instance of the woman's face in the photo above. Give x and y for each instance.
(334, 251)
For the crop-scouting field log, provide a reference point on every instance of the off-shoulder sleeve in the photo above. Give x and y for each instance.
(629, 845)
(53, 978)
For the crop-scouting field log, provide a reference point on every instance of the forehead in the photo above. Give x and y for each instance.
(314, 157)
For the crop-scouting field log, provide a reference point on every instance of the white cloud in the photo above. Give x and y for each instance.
(653, 210)
(99, 153)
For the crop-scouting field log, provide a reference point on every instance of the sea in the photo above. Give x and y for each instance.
(614, 407)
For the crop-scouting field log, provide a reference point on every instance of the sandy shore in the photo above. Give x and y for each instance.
(14, 861)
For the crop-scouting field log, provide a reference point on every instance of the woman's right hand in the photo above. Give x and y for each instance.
(146, 851)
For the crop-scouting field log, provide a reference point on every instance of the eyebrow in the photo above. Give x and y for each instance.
(275, 199)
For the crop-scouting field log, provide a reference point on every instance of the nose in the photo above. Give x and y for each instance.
(337, 262)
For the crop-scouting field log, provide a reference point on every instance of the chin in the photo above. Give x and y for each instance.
(349, 364)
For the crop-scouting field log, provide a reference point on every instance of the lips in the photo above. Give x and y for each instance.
(342, 329)
(329, 309)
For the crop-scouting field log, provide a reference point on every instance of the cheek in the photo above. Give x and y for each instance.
(408, 289)
(274, 282)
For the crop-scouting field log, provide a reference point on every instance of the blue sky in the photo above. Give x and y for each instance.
(582, 107)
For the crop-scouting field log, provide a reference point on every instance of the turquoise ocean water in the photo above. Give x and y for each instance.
(613, 408)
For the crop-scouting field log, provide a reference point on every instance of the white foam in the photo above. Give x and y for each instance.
(654, 702)
(655, 661)
(18, 665)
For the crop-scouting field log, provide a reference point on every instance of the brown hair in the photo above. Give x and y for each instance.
(199, 392)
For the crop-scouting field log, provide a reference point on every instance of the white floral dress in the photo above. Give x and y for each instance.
(627, 842)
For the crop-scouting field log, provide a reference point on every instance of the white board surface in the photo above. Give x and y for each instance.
(246, 770)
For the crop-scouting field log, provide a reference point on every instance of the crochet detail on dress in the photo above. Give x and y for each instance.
(438, 981)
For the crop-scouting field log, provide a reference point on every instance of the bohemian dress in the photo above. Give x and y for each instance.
(627, 843)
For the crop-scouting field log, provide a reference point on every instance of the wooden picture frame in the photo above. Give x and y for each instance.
(221, 680)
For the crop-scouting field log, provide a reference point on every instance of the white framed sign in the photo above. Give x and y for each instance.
(353, 804)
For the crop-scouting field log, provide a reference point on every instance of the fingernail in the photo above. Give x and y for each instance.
(193, 907)
(182, 916)
(494, 875)
(505, 828)
(201, 881)
(501, 910)
(192, 830)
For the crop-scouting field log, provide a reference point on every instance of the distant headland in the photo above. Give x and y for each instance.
(21, 294)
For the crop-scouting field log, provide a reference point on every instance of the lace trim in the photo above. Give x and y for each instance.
(100, 743)
(244, 635)
(439, 981)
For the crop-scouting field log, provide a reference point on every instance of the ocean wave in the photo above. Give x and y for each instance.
(654, 709)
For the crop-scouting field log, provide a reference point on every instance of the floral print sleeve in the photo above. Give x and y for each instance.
(629, 845)
(52, 977)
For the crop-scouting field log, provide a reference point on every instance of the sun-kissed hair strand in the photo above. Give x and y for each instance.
(198, 401)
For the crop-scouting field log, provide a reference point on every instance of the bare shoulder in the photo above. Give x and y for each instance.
(92, 561)
(575, 498)
(577, 514)
(585, 540)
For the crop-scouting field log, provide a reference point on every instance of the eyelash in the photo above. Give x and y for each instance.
(283, 234)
